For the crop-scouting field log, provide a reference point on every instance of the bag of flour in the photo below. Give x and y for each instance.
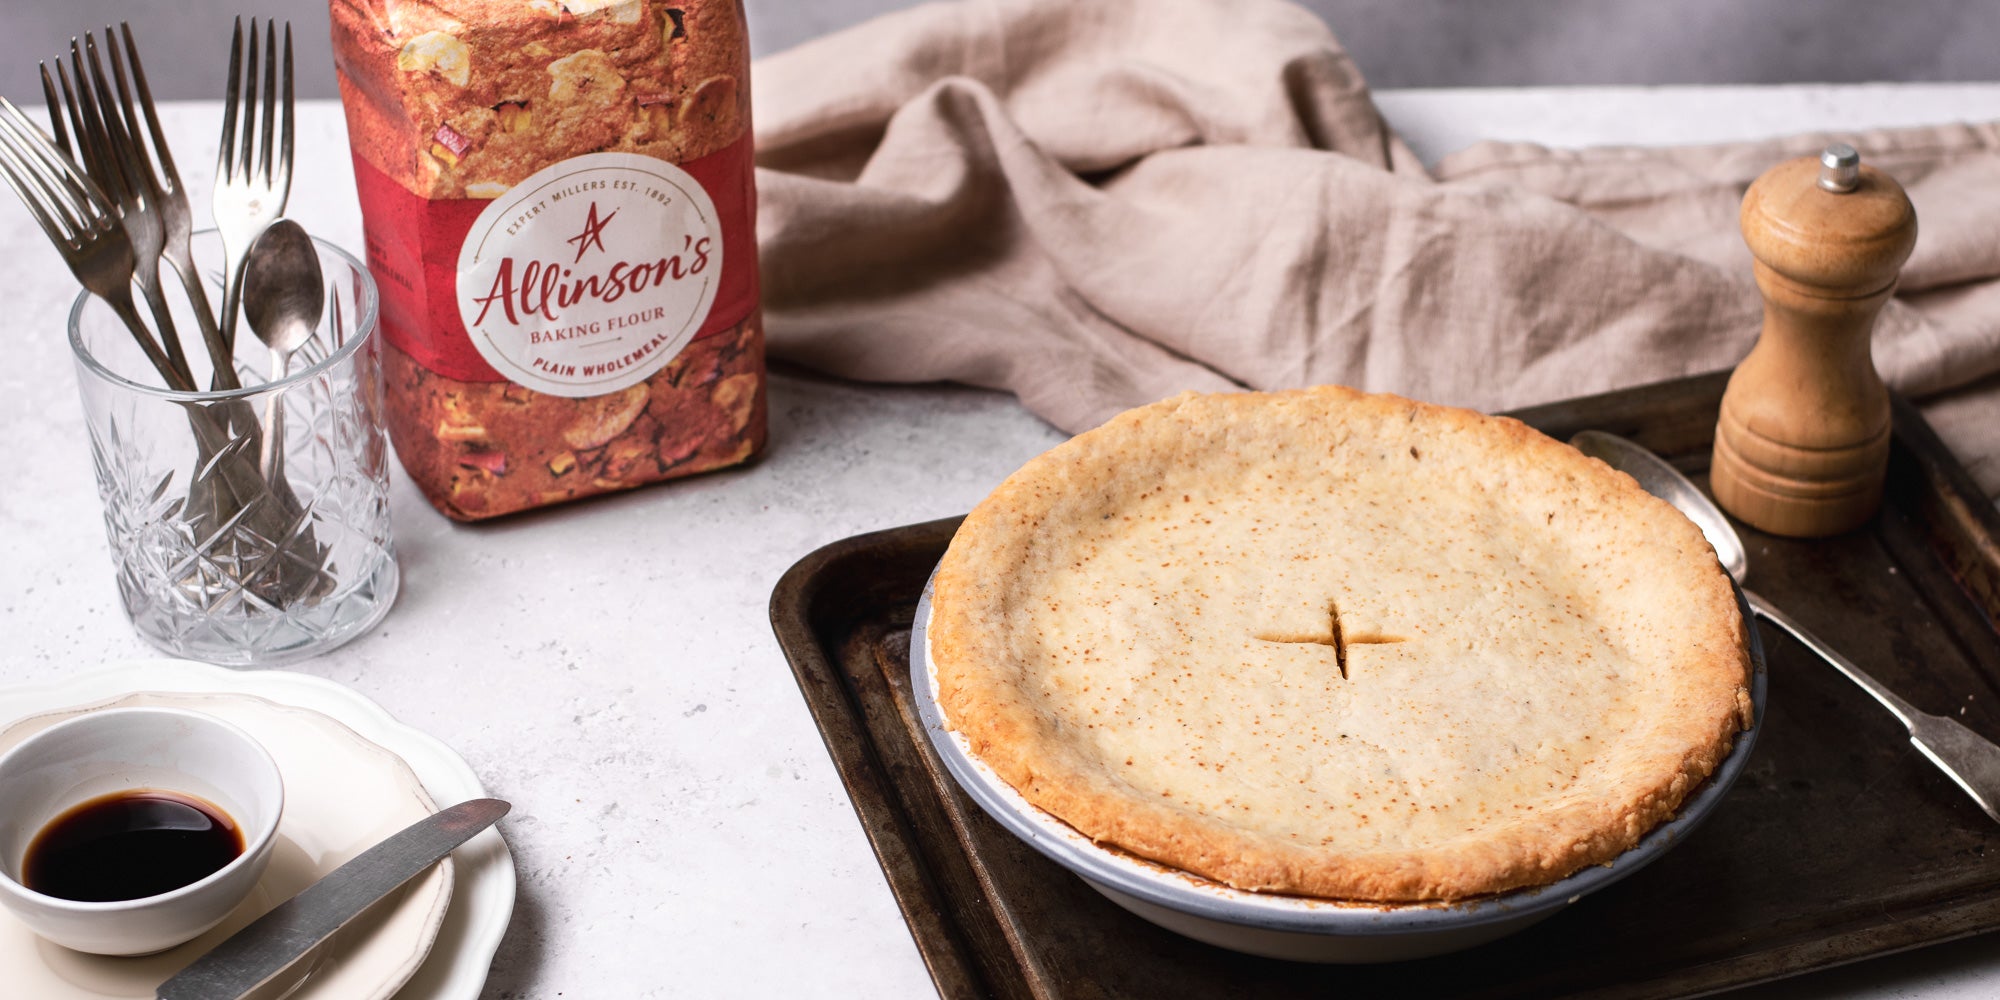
(560, 212)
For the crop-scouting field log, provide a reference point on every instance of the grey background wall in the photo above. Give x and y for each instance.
(1398, 43)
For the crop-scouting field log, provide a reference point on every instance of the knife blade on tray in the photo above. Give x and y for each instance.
(272, 942)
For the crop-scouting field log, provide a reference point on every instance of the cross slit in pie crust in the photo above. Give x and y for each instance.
(1339, 645)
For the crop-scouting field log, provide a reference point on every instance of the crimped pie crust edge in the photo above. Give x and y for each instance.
(979, 696)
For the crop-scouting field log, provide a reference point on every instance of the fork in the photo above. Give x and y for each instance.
(171, 196)
(250, 186)
(104, 150)
(85, 228)
(80, 221)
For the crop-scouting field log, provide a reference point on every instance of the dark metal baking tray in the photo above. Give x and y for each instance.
(1840, 842)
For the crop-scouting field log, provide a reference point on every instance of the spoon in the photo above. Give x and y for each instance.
(1966, 757)
(282, 298)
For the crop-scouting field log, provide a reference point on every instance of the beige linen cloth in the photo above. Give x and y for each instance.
(1094, 204)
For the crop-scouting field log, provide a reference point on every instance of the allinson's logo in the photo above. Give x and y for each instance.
(561, 300)
(593, 232)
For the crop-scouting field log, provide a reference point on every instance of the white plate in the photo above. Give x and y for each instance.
(356, 739)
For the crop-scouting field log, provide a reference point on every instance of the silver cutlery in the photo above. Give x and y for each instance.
(282, 299)
(86, 230)
(252, 178)
(254, 955)
(176, 218)
(105, 150)
(108, 217)
(82, 223)
(1969, 759)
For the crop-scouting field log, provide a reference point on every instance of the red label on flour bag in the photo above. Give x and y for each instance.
(560, 210)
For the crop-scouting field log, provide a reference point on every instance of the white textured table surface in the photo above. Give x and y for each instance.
(609, 666)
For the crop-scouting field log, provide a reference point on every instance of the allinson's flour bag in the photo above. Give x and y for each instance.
(560, 208)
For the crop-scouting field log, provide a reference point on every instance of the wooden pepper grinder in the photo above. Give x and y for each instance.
(1803, 441)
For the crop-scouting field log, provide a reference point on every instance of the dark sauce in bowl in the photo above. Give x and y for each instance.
(130, 845)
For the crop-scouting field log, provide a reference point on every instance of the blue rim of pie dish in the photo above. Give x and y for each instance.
(1198, 897)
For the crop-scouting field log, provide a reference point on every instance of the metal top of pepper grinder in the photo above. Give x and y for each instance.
(1802, 442)
(1839, 168)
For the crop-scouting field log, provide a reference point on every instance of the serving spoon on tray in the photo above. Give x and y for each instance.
(1969, 759)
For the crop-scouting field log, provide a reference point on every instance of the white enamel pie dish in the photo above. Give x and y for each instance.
(1293, 927)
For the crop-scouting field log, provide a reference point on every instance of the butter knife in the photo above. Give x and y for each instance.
(272, 942)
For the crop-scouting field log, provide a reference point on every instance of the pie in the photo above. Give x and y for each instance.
(1339, 645)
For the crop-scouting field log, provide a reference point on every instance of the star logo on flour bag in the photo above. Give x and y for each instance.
(593, 232)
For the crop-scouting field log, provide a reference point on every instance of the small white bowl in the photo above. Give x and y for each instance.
(126, 749)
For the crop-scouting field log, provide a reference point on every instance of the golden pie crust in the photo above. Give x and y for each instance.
(1339, 645)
